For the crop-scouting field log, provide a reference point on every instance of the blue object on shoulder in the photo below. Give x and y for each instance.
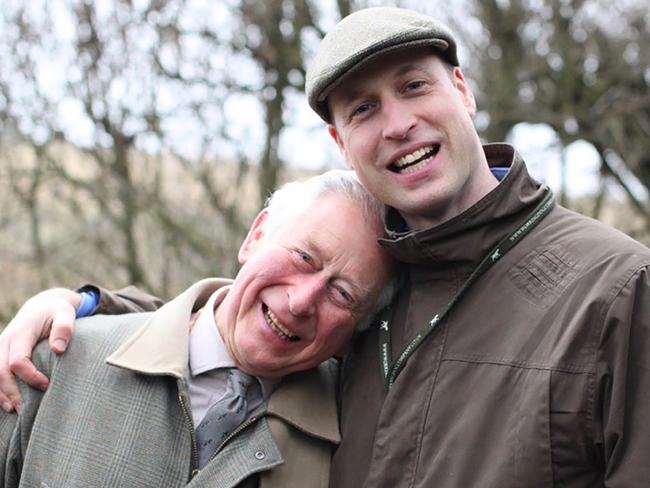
(88, 304)
(499, 172)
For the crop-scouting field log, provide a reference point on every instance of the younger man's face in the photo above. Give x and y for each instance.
(404, 124)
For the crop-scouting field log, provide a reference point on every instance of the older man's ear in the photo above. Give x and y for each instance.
(255, 234)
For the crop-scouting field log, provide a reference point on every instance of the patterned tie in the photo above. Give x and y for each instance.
(223, 416)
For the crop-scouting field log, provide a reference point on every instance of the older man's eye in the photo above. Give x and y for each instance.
(302, 257)
(341, 296)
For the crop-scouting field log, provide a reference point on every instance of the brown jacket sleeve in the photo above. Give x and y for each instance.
(125, 300)
(623, 383)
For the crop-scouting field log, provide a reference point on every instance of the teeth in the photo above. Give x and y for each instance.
(414, 156)
(414, 168)
(405, 163)
(275, 324)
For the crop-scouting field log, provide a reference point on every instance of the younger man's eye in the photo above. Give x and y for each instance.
(414, 85)
(361, 110)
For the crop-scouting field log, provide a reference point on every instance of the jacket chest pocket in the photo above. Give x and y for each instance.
(502, 421)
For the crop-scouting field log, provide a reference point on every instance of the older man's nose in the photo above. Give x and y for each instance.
(304, 295)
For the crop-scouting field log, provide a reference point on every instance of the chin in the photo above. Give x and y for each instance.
(264, 368)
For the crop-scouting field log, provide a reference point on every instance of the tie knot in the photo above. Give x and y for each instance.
(239, 381)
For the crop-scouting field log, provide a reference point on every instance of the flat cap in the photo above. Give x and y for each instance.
(365, 36)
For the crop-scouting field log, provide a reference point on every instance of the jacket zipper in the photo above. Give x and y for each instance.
(234, 433)
(194, 461)
(194, 464)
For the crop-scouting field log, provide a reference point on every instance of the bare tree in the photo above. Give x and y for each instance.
(99, 97)
(581, 67)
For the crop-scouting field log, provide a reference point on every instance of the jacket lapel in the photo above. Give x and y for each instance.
(161, 346)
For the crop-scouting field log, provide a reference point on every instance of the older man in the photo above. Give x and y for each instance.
(233, 394)
(516, 354)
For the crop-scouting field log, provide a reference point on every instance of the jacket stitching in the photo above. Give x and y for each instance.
(518, 364)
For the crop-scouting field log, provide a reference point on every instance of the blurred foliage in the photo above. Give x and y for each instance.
(582, 67)
(138, 138)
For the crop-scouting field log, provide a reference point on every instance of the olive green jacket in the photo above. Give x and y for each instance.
(116, 414)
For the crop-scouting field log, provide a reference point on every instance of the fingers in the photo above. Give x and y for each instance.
(61, 330)
(7, 380)
(18, 361)
(6, 403)
(49, 310)
(23, 367)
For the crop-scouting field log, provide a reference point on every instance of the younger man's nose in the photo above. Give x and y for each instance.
(397, 120)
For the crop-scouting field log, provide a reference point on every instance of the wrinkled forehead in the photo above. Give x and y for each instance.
(336, 225)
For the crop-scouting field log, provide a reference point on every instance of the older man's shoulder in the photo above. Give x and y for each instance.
(94, 338)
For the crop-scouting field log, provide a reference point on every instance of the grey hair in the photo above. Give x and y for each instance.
(383, 300)
(293, 198)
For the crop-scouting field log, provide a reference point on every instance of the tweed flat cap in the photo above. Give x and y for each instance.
(363, 37)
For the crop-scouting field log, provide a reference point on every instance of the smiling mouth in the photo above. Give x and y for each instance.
(414, 161)
(277, 326)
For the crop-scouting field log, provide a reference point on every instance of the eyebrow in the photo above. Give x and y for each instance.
(405, 68)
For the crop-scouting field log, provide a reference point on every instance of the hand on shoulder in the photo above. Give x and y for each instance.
(49, 313)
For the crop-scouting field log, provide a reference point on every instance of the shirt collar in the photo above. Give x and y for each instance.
(207, 350)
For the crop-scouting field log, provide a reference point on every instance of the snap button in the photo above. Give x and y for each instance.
(260, 455)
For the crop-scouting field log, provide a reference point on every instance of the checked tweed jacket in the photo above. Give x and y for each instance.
(116, 414)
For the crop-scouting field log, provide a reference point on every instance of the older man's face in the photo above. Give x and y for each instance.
(302, 290)
(404, 124)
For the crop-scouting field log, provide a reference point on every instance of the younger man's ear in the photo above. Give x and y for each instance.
(255, 234)
(339, 142)
(465, 92)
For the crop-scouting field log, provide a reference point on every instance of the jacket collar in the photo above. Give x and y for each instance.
(161, 346)
(306, 400)
(461, 242)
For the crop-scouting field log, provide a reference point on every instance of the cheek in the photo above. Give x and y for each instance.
(337, 330)
(463, 119)
(361, 162)
(269, 269)
(360, 144)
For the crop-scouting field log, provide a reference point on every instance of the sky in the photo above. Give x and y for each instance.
(539, 146)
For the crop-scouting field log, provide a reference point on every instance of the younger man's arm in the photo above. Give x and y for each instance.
(51, 313)
(125, 300)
